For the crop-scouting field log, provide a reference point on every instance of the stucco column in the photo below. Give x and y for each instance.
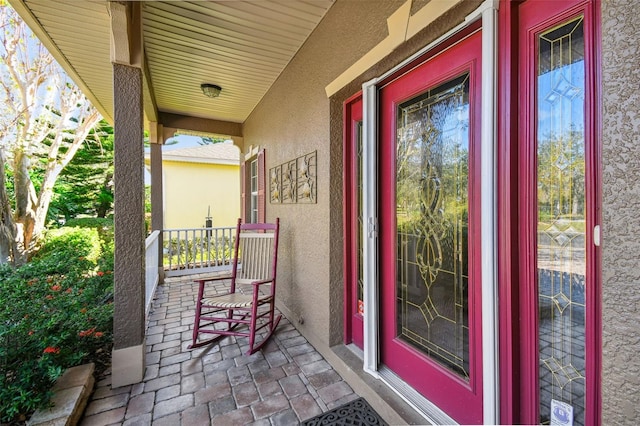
(156, 139)
(129, 276)
(157, 211)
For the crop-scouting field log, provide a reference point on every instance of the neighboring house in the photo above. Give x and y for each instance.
(457, 183)
(199, 183)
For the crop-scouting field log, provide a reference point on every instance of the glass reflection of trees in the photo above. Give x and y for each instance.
(432, 219)
(561, 173)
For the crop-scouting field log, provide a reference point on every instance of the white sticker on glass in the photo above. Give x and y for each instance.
(561, 413)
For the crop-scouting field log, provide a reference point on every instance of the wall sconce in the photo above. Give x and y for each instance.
(210, 90)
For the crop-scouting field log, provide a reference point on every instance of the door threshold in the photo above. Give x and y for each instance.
(356, 350)
(412, 397)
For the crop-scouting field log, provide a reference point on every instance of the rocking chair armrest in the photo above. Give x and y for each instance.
(259, 283)
(204, 280)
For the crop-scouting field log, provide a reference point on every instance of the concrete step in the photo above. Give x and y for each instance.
(70, 395)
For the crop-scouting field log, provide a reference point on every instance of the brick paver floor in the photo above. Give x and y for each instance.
(286, 382)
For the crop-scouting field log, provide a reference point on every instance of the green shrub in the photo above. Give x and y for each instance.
(90, 222)
(82, 242)
(55, 312)
(104, 226)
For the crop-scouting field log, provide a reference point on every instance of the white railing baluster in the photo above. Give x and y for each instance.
(170, 250)
(201, 240)
(195, 250)
(208, 249)
(179, 249)
(217, 247)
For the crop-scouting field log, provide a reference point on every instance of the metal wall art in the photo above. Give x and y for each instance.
(294, 181)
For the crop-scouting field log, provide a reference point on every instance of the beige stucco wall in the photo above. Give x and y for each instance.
(310, 285)
(190, 188)
(621, 204)
(289, 126)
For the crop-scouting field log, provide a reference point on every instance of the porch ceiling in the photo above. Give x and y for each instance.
(242, 46)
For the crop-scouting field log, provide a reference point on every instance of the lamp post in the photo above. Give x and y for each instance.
(208, 222)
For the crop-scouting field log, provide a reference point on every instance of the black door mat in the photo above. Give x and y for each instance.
(355, 413)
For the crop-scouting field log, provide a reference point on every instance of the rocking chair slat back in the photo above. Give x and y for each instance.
(256, 256)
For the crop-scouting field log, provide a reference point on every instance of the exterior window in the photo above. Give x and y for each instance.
(253, 212)
(253, 184)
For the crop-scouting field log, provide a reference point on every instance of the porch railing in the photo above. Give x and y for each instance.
(195, 250)
(151, 268)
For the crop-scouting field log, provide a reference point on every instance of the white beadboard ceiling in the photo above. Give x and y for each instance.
(242, 46)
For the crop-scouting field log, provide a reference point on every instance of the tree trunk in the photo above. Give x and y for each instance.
(106, 197)
(24, 212)
(7, 227)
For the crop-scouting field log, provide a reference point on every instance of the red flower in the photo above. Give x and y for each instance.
(31, 332)
(51, 350)
(56, 287)
(68, 290)
(83, 310)
(48, 296)
(100, 273)
(98, 334)
(88, 332)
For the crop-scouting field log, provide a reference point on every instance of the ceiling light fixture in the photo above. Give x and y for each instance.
(210, 90)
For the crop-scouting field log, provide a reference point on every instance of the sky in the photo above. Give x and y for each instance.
(184, 141)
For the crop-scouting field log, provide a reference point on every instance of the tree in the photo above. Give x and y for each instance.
(85, 186)
(206, 140)
(45, 115)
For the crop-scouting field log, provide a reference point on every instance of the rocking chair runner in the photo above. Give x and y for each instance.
(249, 305)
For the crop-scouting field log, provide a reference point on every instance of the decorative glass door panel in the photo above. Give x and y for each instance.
(430, 229)
(561, 218)
(432, 215)
(558, 193)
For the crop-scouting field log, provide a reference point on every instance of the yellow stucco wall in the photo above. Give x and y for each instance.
(190, 188)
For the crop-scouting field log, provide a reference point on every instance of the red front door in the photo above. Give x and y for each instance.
(430, 229)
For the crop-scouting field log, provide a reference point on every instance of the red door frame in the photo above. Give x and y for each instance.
(507, 184)
(353, 321)
(517, 213)
(459, 399)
